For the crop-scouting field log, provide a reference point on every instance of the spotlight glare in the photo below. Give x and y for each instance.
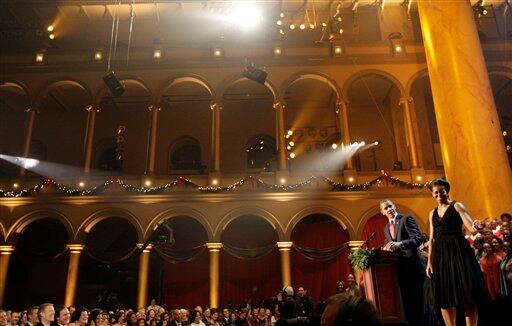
(302, 26)
(289, 132)
(81, 184)
(157, 54)
(292, 155)
(419, 178)
(15, 185)
(50, 28)
(217, 52)
(277, 51)
(292, 26)
(350, 179)
(334, 146)
(98, 55)
(281, 32)
(281, 15)
(337, 49)
(288, 147)
(148, 183)
(246, 16)
(39, 57)
(376, 143)
(341, 30)
(324, 24)
(505, 133)
(279, 22)
(215, 182)
(312, 26)
(291, 143)
(398, 48)
(51, 36)
(363, 143)
(29, 163)
(283, 180)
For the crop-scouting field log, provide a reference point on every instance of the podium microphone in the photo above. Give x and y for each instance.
(365, 243)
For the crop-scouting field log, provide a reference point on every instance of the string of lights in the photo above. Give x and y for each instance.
(383, 179)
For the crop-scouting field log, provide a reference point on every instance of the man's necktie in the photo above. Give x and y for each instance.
(392, 229)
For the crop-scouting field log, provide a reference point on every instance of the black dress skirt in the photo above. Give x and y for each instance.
(457, 278)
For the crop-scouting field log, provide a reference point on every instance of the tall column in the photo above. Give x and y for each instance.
(472, 146)
(142, 287)
(286, 270)
(28, 135)
(280, 136)
(342, 110)
(89, 137)
(151, 161)
(214, 249)
(5, 255)
(72, 280)
(216, 107)
(409, 130)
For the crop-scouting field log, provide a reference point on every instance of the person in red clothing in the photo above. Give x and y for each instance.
(490, 263)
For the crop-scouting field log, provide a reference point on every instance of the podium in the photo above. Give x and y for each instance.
(381, 287)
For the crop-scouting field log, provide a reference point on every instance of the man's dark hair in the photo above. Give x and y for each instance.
(43, 307)
(58, 309)
(352, 310)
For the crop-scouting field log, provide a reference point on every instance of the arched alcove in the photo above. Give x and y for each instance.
(40, 255)
(244, 279)
(247, 111)
(319, 231)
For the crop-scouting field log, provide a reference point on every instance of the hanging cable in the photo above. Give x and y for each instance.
(132, 15)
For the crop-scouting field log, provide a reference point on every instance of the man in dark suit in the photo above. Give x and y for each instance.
(403, 236)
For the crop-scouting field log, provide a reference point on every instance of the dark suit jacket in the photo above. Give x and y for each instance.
(407, 232)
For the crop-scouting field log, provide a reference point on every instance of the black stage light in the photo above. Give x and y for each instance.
(255, 74)
(113, 84)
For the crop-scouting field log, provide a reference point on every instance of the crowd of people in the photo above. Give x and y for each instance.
(492, 249)
(288, 308)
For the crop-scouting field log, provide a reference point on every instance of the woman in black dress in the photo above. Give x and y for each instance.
(456, 276)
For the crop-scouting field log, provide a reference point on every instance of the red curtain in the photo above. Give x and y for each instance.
(242, 279)
(375, 224)
(186, 285)
(319, 278)
(254, 280)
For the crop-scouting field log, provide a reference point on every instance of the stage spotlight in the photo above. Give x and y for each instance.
(157, 54)
(50, 28)
(217, 52)
(324, 24)
(312, 26)
(279, 22)
(51, 36)
(341, 31)
(291, 143)
(302, 26)
(113, 84)
(148, 183)
(288, 147)
(246, 16)
(98, 55)
(40, 57)
(505, 133)
(15, 185)
(398, 48)
(419, 178)
(283, 180)
(281, 32)
(350, 179)
(338, 50)
(289, 132)
(292, 26)
(255, 74)
(334, 146)
(281, 15)
(215, 182)
(81, 184)
(292, 155)
(376, 143)
(278, 51)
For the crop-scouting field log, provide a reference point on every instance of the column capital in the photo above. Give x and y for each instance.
(214, 246)
(216, 106)
(284, 245)
(407, 99)
(75, 248)
(6, 249)
(94, 108)
(147, 249)
(153, 107)
(279, 105)
(355, 244)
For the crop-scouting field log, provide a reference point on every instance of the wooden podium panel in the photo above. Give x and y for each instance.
(382, 289)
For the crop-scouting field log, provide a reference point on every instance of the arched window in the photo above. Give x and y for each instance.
(185, 154)
(106, 156)
(261, 152)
